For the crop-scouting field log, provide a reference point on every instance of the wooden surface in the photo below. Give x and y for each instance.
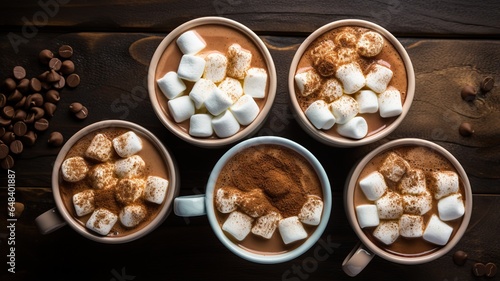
(451, 44)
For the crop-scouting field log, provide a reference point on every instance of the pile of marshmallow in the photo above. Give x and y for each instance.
(225, 86)
(343, 91)
(126, 177)
(242, 220)
(400, 213)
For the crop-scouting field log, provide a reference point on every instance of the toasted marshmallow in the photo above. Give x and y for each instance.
(451, 207)
(181, 108)
(351, 76)
(367, 101)
(127, 144)
(390, 206)
(239, 61)
(200, 125)
(389, 103)
(291, 230)
(132, 215)
(394, 167)
(370, 44)
(84, 202)
(200, 91)
(319, 115)
(218, 101)
(307, 82)
(443, 183)
(215, 67)
(101, 221)
(171, 85)
(227, 199)
(232, 88)
(413, 182)
(190, 42)
(373, 185)
(437, 232)
(266, 225)
(331, 90)
(100, 148)
(245, 109)
(346, 38)
(324, 58)
(191, 68)
(129, 190)
(74, 169)
(417, 204)
(311, 211)
(102, 176)
(155, 189)
(367, 215)
(344, 109)
(411, 226)
(387, 232)
(356, 128)
(225, 124)
(238, 225)
(130, 167)
(255, 82)
(378, 78)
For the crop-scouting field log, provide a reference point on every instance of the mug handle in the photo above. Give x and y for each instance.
(190, 206)
(357, 260)
(49, 221)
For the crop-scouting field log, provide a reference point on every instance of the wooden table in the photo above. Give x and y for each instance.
(451, 44)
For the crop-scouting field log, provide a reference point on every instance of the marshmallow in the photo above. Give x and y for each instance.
(346, 38)
(232, 88)
(190, 42)
(155, 189)
(201, 89)
(171, 85)
(227, 199)
(130, 167)
(451, 207)
(239, 61)
(411, 226)
(443, 183)
(344, 109)
(417, 204)
(132, 215)
(331, 90)
(307, 82)
(101, 221)
(200, 125)
(370, 44)
(238, 225)
(437, 232)
(356, 128)
(394, 167)
(74, 169)
(254, 203)
(346, 55)
(245, 109)
(181, 108)
(319, 115)
(311, 211)
(191, 68)
(378, 78)
(266, 225)
(367, 101)
(387, 232)
(215, 67)
(367, 215)
(100, 148)
(129, 190)
(255, 82)
(225, 125)
(102, 176)
(84, 202)
(351, 76)
(218, 101)
(389, 103)
(127, 144)
(413, 182)
(373, 185)
(324, 58)
(390, 206)
(291, 230)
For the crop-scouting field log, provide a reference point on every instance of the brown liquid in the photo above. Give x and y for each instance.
(428, 161)
(253, 168)
(388, 54)
(155, 166)
(218, 38)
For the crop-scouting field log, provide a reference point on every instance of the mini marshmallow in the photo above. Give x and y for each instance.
(411, 226)
(130, 167)
(84, 202)
(367, 215)
(319, 115)
(373, 185)
(394, 167)
(238, 225)
(331, 90)
(129, 190)
(215, 67)
(132, 215)
(100, 148)
(190, 42)
(443, 183)
(451, 207)
(127, 144)
(232, 88)
(387, 232)
(191, 68)
(266, 225)
(181, 108)
(437, 232)
(245, 109)
(255, 82)
(239, 61)
(389, 103)
(155, 189)
(390, 206)
(356, 128)
(417, 204)
(344, 109)
(200, 125)
(311, 211)
(367, 101)
(101, 221)
(227, 199)
(370, 44)
(378, 78)
(307, 82)
(218, 101)
(413, 182)
(351, 76)
(171, 85)
(201, 89)
(291, 230)
(225, 124)
(74, 169)
(102, 176)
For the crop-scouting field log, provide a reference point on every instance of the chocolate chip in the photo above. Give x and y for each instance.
(30, 118)
(479, 269)
(35, 100)
(4, 121)
(15, 96)
(55, 64)
(38, 112)
(491, 269)
(73, 80)
(3, 100)
(8, 137)
(65, 51)
(465, 129)
(9, 84)
(53, 76)
(487, 84)
(45, 55)
(8, 112)
(2, 131)
(459, 257)
(75, 107)
(24, 85)
(468, 93)
(67, 67)
(16, 147)
(52, 96)
(59, 84)
(82, 114)
(4, 150)
(20, 128)
(50, 108)
(7, 162)
(20, 115)
(35, 85)
(21, 103)
(29, 138)
(19, 72)
(56, 139)
(41, 125)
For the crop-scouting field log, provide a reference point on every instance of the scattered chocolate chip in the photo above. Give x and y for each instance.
(8, 137)
(65, 51)
(53, 76)
(7, 162)
(36, 100)
(67, 67)
(15, 96)
(9, 84)
(75, 107)
(30, 118)
(38, 112)
(21, 103)
(41, 125)
(465, 129)
(20, 128)
(3, 100)
(55, 64)
(29, 138)
(24, 85)
(59, 84)
(52, 96)
(73, 80)
(479, 269)
(35, 85)
(4, 121)
(82, 114)
(45, 56)
(468, 93)
(55, 139)
(16, 147)
(42, 77)
(491, 269)
(2, 131)
(8, 112)
(4, 150)
(19, 72)
(459, 257)
(50, 108)
(20, 115)
(487, 84)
